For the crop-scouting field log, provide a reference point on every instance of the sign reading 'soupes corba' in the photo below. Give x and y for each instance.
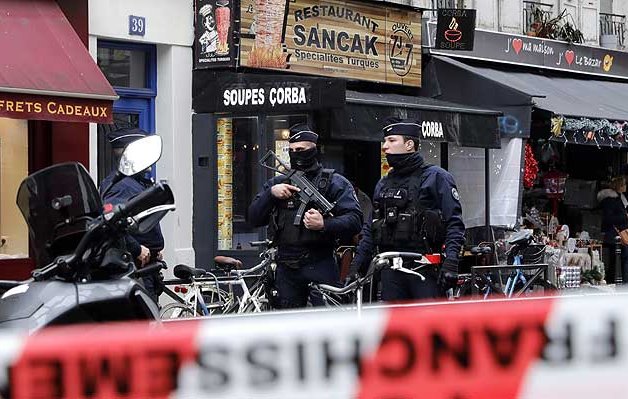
(333, 38)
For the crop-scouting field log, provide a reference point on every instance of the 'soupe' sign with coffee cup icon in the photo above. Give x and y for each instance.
(455, 29)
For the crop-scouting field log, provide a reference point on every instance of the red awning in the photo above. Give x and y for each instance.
(45, 70)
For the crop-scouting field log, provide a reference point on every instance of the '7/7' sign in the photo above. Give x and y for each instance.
(137, 25)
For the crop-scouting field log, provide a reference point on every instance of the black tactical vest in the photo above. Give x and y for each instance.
(401, 221)
(282, 229)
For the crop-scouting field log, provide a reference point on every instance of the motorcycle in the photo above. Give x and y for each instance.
(88, 276)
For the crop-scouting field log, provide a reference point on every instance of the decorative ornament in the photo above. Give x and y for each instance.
(531, 167)
(557, 126)
(599, 126)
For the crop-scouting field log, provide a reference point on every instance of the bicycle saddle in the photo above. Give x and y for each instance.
(185, 272)
(227, 263)
(481, 250)
(522, 237)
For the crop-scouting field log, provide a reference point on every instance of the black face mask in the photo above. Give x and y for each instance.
(303, 160)
(398, 160)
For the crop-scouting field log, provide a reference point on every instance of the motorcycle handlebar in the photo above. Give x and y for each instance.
(159, 194)
(149, 269)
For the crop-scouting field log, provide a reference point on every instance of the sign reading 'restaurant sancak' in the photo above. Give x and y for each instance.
(333, 38)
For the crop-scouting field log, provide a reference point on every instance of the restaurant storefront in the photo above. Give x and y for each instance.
(341, 66)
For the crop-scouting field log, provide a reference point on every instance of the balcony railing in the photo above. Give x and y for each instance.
(614, 24)
(447, 4)
(534, 12)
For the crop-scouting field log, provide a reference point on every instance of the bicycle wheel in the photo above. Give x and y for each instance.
(178, 311)
(217, 300)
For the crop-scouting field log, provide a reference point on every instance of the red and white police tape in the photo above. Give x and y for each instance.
(562, 347)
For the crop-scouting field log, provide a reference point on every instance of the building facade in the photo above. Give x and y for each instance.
(144, 47)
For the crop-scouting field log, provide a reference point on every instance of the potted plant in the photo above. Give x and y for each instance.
(557, 28)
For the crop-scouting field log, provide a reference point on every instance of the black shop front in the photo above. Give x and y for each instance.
(240, 116)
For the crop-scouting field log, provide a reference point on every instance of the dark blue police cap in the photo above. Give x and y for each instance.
(402, 127)
(121, 137)
(302, 132)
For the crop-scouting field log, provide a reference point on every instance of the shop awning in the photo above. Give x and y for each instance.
(517, 90)
(467, 126)
(45, 70)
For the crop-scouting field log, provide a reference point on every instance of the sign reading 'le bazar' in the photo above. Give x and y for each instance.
(333, 38)
(542, 53)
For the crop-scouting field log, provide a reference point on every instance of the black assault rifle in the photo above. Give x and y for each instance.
(308, 192)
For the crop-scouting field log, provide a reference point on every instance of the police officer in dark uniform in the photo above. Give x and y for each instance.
(305, 253)
(145, 248)
(416, 208)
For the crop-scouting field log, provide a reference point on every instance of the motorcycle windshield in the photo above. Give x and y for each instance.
(58, 203)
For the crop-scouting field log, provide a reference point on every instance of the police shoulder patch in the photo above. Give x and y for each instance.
(454, 193)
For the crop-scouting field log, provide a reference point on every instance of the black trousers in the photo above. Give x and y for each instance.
(399, 286)
(153, 283)
(610, 263)
(292, 283)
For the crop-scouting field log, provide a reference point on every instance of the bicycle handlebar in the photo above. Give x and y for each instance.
(336, 290)
(394, 254)
(244, 272)
(380, 260)
(264, 243)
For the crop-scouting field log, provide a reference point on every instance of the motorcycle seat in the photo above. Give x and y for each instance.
(227, 263)
(184, 272)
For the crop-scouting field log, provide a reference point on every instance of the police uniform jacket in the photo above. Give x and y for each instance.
(437, 191)
(122, 192)
(344, 224)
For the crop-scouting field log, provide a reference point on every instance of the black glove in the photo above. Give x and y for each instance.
(448, 276)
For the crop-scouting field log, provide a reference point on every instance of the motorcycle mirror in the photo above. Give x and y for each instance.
(139, 155)
(146, 220)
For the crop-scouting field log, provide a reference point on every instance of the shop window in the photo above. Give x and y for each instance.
(131, 70)
(240, 176)
(278, 127)
(467, 166)
(237, 153)
(13, 169)
(123, 67)
(430, 151)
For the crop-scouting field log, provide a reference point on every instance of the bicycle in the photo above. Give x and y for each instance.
(483, 278)
(334, 296)
(484, 253)
(204, 293)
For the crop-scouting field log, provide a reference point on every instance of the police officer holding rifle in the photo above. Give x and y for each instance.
(307, 209)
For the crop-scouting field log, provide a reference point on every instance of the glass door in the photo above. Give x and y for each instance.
(239, 146)
(238, 180)
(278, 133)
